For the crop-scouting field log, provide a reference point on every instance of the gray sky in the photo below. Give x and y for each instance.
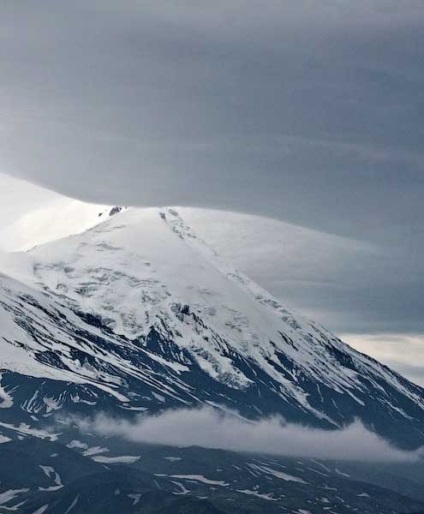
(308, 112)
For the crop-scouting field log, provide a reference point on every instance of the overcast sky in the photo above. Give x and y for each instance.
(308, 112)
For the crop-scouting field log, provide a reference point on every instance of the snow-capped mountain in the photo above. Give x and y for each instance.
(139, 314)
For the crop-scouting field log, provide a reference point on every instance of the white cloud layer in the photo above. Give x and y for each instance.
(207, 428)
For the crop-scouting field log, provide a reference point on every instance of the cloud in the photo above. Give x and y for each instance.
(302, 111)
(208, 428)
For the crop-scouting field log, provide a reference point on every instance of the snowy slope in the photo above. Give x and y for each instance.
(138, 313)
(320, 274)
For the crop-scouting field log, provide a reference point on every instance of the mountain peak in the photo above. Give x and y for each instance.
(138, 313)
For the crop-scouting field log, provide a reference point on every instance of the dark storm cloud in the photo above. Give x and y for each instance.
(306, 111)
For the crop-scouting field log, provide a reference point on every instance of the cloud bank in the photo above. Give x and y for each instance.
(207, 428)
